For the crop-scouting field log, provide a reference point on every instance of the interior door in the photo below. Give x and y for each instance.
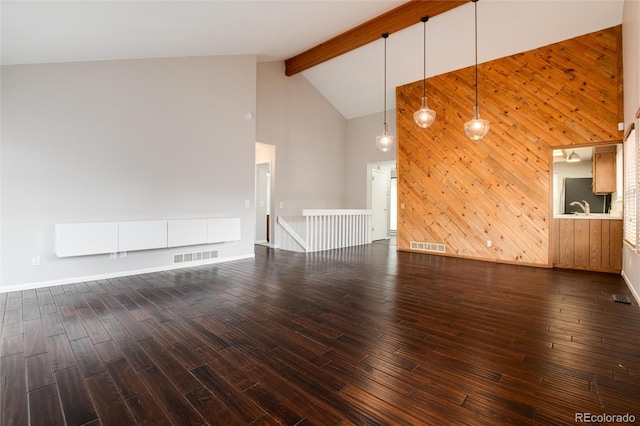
(380, 204)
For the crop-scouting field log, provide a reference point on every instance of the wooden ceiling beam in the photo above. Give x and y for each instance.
(394, 20)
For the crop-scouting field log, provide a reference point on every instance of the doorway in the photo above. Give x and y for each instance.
(380, 204)
(263, 203)
(265, 192)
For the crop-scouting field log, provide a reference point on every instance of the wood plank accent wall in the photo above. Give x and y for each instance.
(462, 193)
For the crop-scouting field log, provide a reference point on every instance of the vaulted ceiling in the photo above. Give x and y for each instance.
(68, 31)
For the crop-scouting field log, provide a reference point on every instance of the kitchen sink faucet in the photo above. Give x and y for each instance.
(585, 207)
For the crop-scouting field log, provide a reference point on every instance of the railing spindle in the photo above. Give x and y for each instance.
(336, 228)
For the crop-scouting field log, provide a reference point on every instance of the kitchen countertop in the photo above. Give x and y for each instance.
(599, 216)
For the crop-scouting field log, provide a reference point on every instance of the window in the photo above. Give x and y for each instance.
(630, 187)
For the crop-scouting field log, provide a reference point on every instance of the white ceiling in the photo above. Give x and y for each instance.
(69, 31)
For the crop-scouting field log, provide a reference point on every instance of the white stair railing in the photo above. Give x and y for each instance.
(328, 229)
(295, 235)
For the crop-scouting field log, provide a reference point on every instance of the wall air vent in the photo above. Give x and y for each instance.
(431, 247)
(198, 256)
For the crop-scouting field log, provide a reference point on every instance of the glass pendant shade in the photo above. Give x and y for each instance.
(573, 157)
(385, 141)
(477, 127)
(424, 116)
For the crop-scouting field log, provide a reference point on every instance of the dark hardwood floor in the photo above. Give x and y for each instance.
(359, 336)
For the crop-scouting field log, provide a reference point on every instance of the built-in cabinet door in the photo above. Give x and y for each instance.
(604, 170)
(591, 244)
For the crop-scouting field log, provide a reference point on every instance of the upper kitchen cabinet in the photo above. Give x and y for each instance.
(604, 170)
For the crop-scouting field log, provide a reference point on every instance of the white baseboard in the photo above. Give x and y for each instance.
(267, 244)
(42, 284)
(633, 290)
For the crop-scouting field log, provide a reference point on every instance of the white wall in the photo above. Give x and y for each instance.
(122, 140)
(1, 244)
(310, 139)
(631, 63)
(362, 150)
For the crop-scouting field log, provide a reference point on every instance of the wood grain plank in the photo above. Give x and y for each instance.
(39, 373)
(76, 403)
(125, 378)
(211, 408)
(146, 410)
(129, 323)
(296, 396)
(109, 405)
(555, 241)
(52, 324)
(384, 411)
(86, 356)
(34, 339)
(605, 242)
(30, 309)
(126, 345)
(160, 333)
(239, 403)
(162, 358)
(595, 243)
(566, 255)
(60, 352)
(13, 390)
(273, 405)
(72, 324)
(173, 402)
(44, 407)
(44, 296)
(95, 330)
(187, 358)
(10, 345)
(108, 351)
(510, 412)
(581, 243)
(231, 364)
(615, 236)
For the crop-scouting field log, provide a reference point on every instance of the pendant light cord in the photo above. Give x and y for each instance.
(475, 3)
(424, 57)
(384, 36)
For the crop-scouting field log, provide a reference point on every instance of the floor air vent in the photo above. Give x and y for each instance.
(619, 298)
(195, 257)
(432, 247)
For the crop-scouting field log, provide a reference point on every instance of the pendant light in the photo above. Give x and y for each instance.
(573, 157)
(477, 127)
(385, 140)
(424, 116)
